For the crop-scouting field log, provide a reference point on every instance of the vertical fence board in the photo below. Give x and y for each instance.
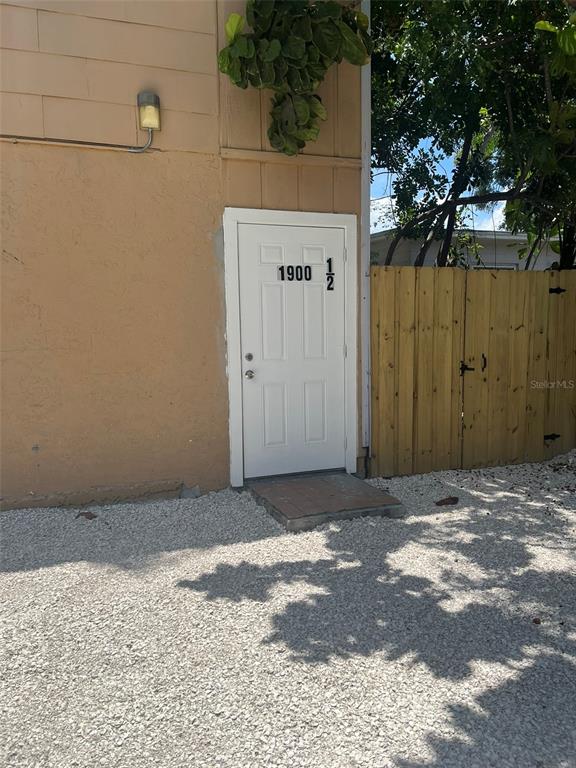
(570, 362)
(559, 418)
(520, 329)
(387, 369)
(424, 402)
(552, 424)
(495, 361)
(475, 392)
(406, 303)
(458, 328)
(375, 410)
(443, 368)
(537, 367)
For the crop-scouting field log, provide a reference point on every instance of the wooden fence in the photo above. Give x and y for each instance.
(471, 368)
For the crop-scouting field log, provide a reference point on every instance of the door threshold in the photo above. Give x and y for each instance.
(307, 473)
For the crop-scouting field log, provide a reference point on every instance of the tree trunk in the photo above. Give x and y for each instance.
(461, 179)
(568, 246)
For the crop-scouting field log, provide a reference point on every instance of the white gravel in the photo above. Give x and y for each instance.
(197, 632)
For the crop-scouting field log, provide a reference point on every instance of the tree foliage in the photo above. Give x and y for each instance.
(291, 46)
(491, 84)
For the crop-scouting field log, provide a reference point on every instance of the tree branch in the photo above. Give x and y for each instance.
(535, 245)
(432, 213)
(432, 234)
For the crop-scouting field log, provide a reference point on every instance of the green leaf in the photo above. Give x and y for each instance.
(251, 49)
(306, 82)
(299, 63)
(363, 21)
(287, 119)
(313, 54)
(294, 48)
(328, 9)
(262, 14)
(545, 26)
(303, 28)
(555, 246)
(327, 38)
(281, 66)
(254, 79)
(301, 109)
(264, 7)
(310, 133)
(316, 72)
(234, 26)
(242, 48)
(291, 146)
(367, 40)
(567, 40)
(250, 18)
(235, 71)
(273, 50)
(294, 80)
(224, 61)
(317, 109)
(276, 139)
(267, 74)
(352, 47)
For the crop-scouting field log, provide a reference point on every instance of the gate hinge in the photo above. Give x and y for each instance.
(551, 436)
(464, 368)
(345, 255)
(345, 350)
(557, 290)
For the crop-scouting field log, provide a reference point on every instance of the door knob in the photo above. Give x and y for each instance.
(249, 374)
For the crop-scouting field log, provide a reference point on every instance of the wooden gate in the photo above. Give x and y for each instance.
(471, 368)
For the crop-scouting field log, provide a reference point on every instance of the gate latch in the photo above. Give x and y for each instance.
(464, 368)
(557, 290)
(551, 436)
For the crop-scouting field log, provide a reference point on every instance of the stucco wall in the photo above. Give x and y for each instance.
(113, 372)
(113, 311)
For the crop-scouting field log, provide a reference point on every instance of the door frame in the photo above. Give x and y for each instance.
(233, 217)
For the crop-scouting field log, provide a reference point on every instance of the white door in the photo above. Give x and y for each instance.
(292, 345)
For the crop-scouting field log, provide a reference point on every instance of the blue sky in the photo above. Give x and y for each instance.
(381, 191)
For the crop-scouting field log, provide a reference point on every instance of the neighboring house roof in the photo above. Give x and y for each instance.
(498, 234)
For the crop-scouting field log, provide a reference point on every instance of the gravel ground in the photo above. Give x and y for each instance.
(197, 632)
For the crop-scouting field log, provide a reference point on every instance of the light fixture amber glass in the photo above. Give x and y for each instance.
(149, 110)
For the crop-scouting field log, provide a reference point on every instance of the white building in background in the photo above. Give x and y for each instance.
(498, 250)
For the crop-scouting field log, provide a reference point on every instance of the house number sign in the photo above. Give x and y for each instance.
(299, 273)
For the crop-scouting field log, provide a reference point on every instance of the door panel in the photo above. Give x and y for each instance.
(292, 326)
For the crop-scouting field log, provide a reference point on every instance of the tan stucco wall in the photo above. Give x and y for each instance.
(113, 343)
(113, 377)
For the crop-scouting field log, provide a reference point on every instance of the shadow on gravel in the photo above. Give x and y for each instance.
(131, 535)
(359, 602)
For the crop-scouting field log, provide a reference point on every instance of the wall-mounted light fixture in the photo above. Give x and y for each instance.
(148, 119)
(148, 116)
